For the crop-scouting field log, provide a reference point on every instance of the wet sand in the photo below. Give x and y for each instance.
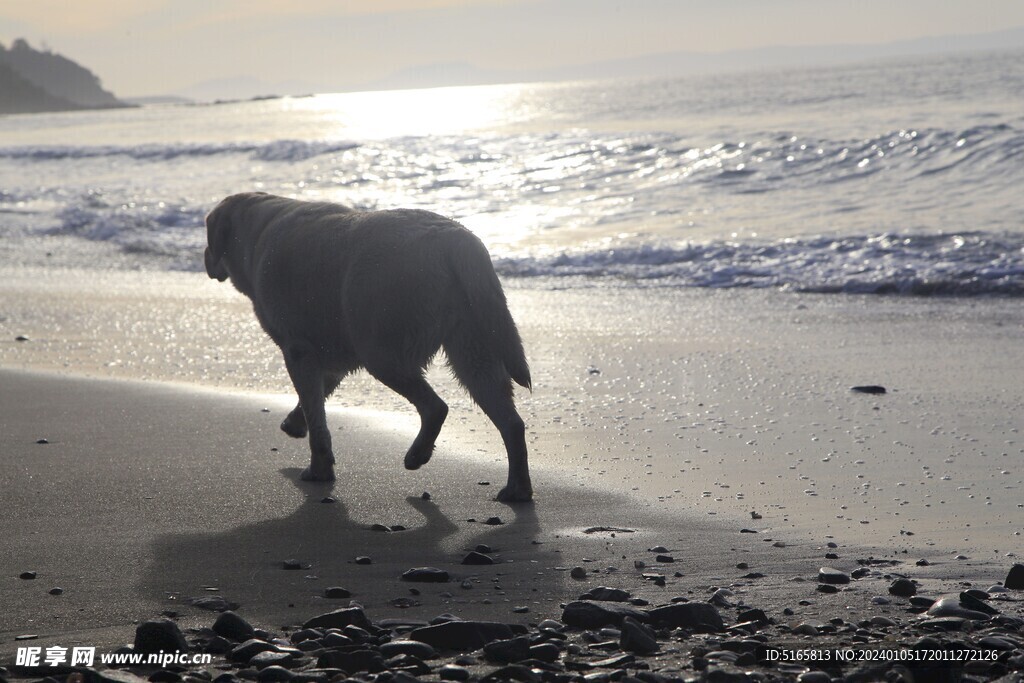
(672, 413)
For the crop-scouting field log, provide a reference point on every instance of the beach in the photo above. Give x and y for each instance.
(717, 424)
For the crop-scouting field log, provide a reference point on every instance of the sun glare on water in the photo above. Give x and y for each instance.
(435, 111)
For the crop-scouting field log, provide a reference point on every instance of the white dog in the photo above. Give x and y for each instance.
(339, 289)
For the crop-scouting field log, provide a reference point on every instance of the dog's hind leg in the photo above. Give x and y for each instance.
(295, 424)
(309, 381)
(491, 388)
(429, 405)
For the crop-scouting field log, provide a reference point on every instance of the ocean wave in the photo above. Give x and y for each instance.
(277, 150)
(962, 264)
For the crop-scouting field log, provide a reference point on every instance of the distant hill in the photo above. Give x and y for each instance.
(36, 81)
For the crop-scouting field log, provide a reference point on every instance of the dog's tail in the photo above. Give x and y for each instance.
(482, 331)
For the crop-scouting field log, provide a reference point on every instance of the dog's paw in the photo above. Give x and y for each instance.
(318, 474)
(294, 428)
(416, 458)
(515, 494)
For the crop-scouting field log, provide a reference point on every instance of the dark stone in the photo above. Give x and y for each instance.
(493, 521)
(292, 565)
(249, 649)
(638, 638)
(606, 594)
(340, 618)
(461, 635)
(951, 606)
(336, 593)
(452, 672)
(475, 557)
(164, 676)
(832, 576)
(352, 661)
(512, 672)
(56, 591)
(508, 651)
(213, 603)
(903, 588)
(827, 588)
(274, 674)
(868, 389)
(578, 573)
(27, 576)
(483, 548)
(921, 601)
(409, 664)
(233, 627)
(618, 662)
(415, 648)
(426, 575)
(363, 559)
(267, 658)
(755, 615)
(159, 635)
(695, 616)
(969, 601)
(585, 614)
(667, 559)
(1015, 579)
(545, 652)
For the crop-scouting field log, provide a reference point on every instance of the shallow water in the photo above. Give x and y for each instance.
(897, 176)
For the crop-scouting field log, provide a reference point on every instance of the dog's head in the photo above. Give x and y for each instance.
(221, 231)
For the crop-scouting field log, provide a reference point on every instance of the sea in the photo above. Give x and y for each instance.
(896, 177)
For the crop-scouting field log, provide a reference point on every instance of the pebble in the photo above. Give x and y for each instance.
(292, 565)
(1015, 578)
(578, 573)
(336, 593)
(159, 635)
(328, 499)
(477, 558)
(363, 559)
(461, 635)
(493, 521)
(637, 638)
(903, 588)
(829, 575)
(27, 576)
(56, 591)
(425, 575)
(606, 594)
(950, 606)
(42, 442)
(868, 389)
(233, 627)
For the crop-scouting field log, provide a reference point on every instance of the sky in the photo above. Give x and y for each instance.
(152, 47)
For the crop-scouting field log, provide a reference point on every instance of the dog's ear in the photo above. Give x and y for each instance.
(219, 232)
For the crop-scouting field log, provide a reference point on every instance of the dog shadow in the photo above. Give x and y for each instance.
(276, 571)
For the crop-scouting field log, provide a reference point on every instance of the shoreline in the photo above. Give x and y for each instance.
(673, 413)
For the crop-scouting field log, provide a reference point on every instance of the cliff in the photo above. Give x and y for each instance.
(34, 81)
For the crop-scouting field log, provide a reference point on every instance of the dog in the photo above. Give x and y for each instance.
(339, 290)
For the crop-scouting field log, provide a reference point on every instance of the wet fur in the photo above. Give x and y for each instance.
(339, 290)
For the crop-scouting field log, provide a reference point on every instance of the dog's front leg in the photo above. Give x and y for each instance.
(308, 378)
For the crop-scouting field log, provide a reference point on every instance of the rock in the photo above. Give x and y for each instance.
(578, 573)
(695, 616)
(363, 559)
(827, 588)
(27, 576)
(56, 591)
(585, 614)
(274, 674)
(1015, 579)
(291, 565)
(477, 558)
(426, 575)
(249, 649)
(461, 635)
(949, 606)
(921, 601)
(832, 576)
(351, 661)
(414, 648)
(213, 603)
(159, 635)
(606, 594)
(262, 660)
(483, 548)
(340, 618)
(512, 672)
(868, 389)
(667, 559)
(453, 672)
(545, 652)
(903, 588)
(233, 627)
(755, 615)
(971, 602)
(508, 651)
(493, 521)
(336, 593)
(637, 637)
